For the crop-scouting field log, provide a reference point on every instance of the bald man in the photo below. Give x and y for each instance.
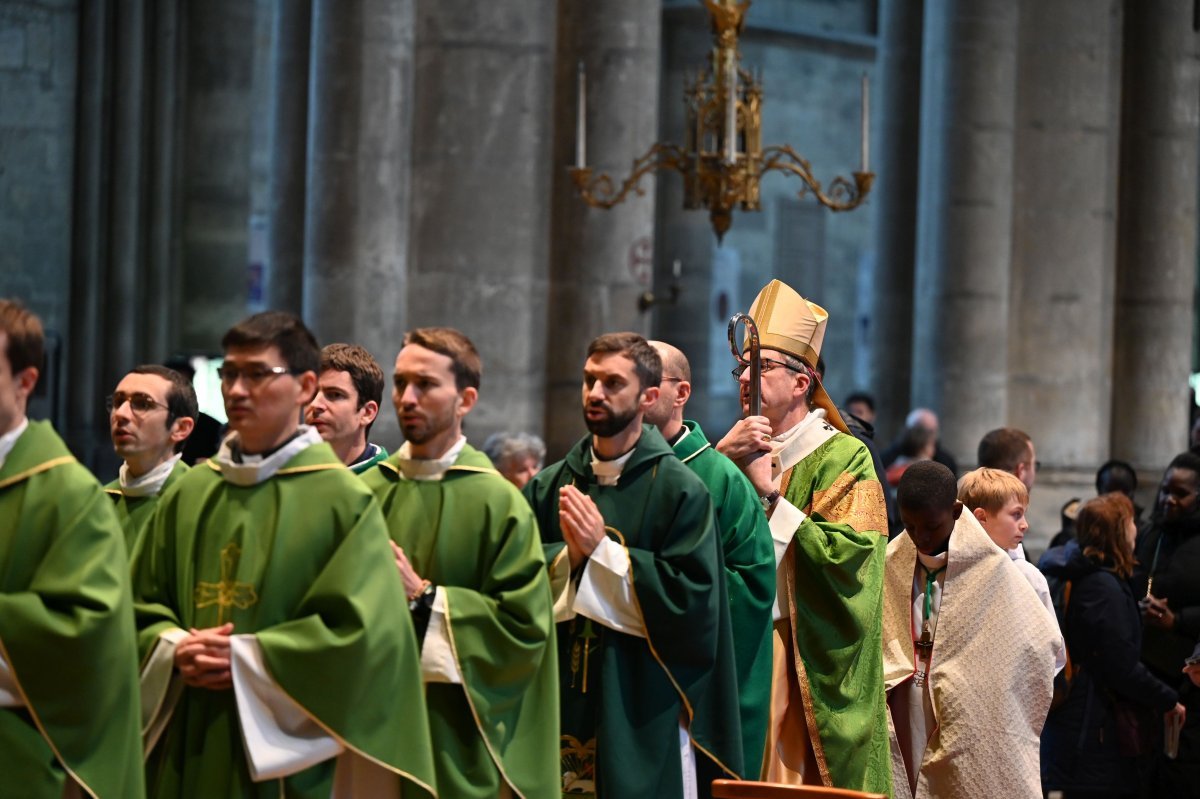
(745, 539)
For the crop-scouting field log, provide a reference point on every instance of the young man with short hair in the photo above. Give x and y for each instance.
(647, 676)
(151, 414)
(1010, 450)
(968, 651)
(349, 393)
(275, 661)
(69, 705)
(469, 555)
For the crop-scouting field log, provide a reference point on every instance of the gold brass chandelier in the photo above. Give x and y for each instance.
(722, 159)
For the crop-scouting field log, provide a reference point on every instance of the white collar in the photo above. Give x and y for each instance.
(149, 483)
(9, 439)
(254, 469)
(794, 445)
(428, 468)
(1017, 552)
(932, 562)
(609, 472)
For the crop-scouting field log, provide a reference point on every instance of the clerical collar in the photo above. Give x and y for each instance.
(369, 451)
(150, 483)
(9, 440)
(427, 468)
(810, 418)
(609, 472)
(247, 470)
(680, 436)
(933, 562)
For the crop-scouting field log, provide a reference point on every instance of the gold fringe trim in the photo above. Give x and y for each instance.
(41, 467)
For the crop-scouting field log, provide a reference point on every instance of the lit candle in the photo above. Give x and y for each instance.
(731, 109)
(676, 269)
(866, 124)
(581, 118)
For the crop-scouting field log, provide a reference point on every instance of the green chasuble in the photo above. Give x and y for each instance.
(301, 561)
(833, 595)
(623, 696)
(135, 512)
(472, 534)
(749, 578)
(66, 629)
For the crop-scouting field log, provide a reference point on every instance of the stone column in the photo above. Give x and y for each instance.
(961, 297)
(287, 141)
(481, 193)
(1063, 239)
(358, 199)
(601, 261)
(888, 356)
(1156, 251)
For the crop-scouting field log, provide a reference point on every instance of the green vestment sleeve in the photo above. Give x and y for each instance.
(624, 696)
(300, 561)
(66, 629)
(474, 537)
(749, 557)
(835, 601)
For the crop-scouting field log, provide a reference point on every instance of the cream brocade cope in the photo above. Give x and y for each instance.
(990, 676)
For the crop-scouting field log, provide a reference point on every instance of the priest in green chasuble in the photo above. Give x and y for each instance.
(749, 553)
(468, 551)
(647, 676)
(277, 657)
(826, 512)
(150, 414)
(349, 394)
(68, 660)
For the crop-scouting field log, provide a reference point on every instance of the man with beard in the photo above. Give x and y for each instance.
(69, 722)
(1168, 562)
(151, 415)
(274, 659)
(826, 511)
(468, 552)
(349, 391)
(647, 676)
(745, 541)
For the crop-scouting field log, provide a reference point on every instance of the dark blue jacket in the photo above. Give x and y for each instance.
(1104, 638)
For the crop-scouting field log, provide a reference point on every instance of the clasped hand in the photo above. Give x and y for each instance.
(581, 524)
(748, 444)
(202, 658)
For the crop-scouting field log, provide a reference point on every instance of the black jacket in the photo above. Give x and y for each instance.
(1177, 580)
(1104, 638)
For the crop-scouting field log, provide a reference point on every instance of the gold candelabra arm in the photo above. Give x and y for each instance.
(600, 191)
(843, 194)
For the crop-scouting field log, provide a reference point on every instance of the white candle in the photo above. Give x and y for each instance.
(731, 109)
(676, 269)
(581, 118)
(866, 124)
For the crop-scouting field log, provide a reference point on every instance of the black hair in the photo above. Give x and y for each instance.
(863, 397)
(927, 485)
(1116, 475)
(295, 342)
(1187, 460)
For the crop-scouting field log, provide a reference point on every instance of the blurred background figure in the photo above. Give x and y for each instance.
(862, 405)
(517, 456)
(928, 420)
(1090, 742)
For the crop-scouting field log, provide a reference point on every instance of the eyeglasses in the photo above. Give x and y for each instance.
(140, 404)
(767, 365)
(251, 375)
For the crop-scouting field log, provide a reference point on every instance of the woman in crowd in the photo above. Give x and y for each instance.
(1091, 740)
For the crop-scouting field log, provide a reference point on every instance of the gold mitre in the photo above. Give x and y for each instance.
(789, 323)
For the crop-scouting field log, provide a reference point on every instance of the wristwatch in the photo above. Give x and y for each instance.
(423, 601)
(769, 500)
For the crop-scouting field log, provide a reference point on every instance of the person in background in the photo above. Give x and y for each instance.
(862, 405)
(1084, 751)
(922, 417)
(517, 456)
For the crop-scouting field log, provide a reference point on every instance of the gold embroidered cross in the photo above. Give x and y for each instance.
(227, 592)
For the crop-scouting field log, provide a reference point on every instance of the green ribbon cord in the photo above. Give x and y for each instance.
(930, 577)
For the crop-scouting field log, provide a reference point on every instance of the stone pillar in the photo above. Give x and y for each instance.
(357, 210)
(601, 261)
(888, 355)
(1063, 240)
(287, 142)
(961, 297)
(1156, 251)
(481, 193)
